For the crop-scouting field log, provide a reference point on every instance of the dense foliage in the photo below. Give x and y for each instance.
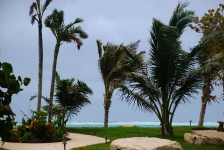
(9, 85)
(169, 81)
(36, 129)
(70, 97)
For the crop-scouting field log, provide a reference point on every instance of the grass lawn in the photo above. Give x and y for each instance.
(124, 132)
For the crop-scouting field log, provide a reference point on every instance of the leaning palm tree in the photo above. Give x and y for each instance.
(63, 33)
(116, 64)
(37, 16)
(211, 67)
(210, 53)
(169, 82)
(71, 97)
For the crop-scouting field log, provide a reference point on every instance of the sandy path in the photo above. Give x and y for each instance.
(77, 140)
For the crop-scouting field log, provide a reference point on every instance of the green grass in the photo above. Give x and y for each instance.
(124, 132)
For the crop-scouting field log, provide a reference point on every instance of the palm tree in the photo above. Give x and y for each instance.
(210, 53)
(116, 64)
(63, 33)
(211, 67)
(169, 82)
(37, 16)
(71, 97)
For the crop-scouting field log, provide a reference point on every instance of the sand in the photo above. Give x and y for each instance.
(77, 140)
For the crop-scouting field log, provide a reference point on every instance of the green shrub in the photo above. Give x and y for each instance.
(36, 129)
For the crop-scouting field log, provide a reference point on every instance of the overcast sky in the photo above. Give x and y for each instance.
(116, 21)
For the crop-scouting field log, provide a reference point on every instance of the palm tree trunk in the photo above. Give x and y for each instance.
(205, 98)
(40, 70)
(106, 113)
(106, 116)
(57, 46)
(166, 128)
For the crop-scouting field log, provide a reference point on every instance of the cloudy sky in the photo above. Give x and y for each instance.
(113, 21)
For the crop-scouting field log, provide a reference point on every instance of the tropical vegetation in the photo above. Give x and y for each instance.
(210, 53)
(117, 63)
(71, 97)
(9, 86)
(38, 17)
(63, 33)
(159, 85)
(170, 81)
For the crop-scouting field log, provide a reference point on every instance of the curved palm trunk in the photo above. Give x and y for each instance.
(166, 127)
(57, 46)
(205, 98)
(40, 70)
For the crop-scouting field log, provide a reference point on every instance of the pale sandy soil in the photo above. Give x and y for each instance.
(77, 140)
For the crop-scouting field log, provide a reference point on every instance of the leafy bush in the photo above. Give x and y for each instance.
(9, 85)
(36, 129)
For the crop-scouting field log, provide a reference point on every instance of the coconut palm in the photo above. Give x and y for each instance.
(63, 33)
(169, 81)
(116, 64)
(71, 97)
(37, 16)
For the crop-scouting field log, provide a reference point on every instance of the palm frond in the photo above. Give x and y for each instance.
(99, 47)
(130, 96)
(32, 7)
(82, 34)
(47, 2)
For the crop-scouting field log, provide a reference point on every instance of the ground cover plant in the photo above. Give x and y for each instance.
(36, 129)
(124, 132)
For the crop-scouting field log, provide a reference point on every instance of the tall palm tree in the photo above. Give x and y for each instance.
(63, 33)
(116, 64)
(169, 82)
(71, 97)
(37, 16)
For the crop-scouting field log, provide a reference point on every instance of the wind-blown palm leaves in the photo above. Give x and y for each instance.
(169, 81)
(36, 13)
(71, 97)
(210, 53)
(117, 63)
(63, 33)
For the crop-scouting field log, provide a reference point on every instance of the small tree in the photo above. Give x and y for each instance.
(71, 97)
(117, 63)
(9, 85)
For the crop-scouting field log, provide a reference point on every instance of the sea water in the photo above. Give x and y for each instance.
(138, 124)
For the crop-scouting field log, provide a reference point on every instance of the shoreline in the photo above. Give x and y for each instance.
(138, 124)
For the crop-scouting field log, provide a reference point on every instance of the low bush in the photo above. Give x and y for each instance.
(36, 129)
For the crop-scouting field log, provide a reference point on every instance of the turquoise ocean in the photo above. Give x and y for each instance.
(138, 124)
